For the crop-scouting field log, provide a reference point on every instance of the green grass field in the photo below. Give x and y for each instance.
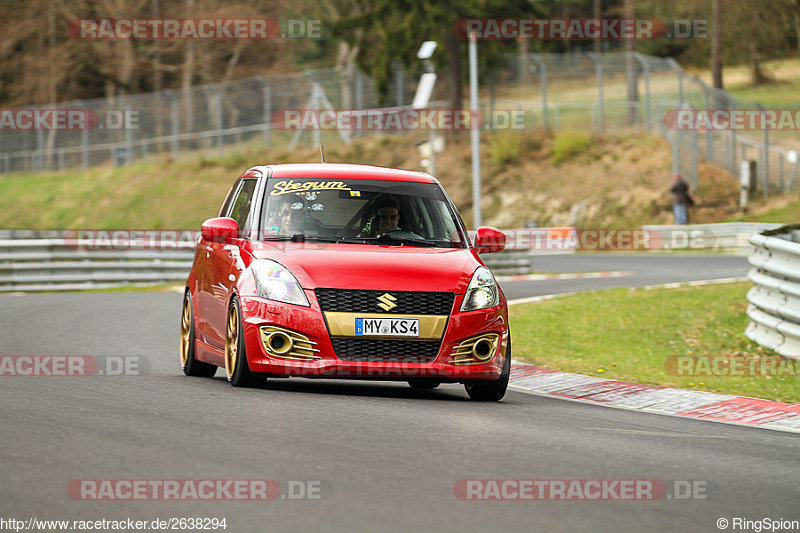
(630, 335)
(789, 212)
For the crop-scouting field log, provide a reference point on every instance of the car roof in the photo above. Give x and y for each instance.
(344, 171)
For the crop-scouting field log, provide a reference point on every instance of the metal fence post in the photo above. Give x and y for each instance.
(50, 146)
(709, 133)
(359, 90)
(267, 96)
(128, 130)
(600, 100)
(474, 131)
(39, 164)
(399, 83)
(543, 88)
(218, 113)
(677, 68)
(85, 148)
(647, 111)
(173, 104)
(765, 163)
(695, 157)
(317, 99)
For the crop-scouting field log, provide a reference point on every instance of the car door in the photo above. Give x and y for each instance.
(221, 257)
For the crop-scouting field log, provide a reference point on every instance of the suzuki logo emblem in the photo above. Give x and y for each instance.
(387, 302)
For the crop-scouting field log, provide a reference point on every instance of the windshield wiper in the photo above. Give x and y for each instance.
(300, 237)
(297, 237)
(388, 238)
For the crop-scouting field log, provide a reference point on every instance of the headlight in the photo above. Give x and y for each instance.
(275, 282)
(482, 291)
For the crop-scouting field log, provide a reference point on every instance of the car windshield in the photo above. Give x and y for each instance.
(361, 211)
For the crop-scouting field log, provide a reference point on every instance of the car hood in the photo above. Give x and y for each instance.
(373, 267)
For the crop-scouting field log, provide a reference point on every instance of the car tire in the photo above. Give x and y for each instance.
(236, 368)
(423, 384)
(494, 390)
(190, 365)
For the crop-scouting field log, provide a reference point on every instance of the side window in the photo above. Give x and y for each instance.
(240, 206)
(226, 207)
(449, 230)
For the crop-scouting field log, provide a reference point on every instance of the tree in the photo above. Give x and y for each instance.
(390, 30)
(716, 45)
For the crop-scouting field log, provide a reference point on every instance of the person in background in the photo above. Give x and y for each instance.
(681, 200)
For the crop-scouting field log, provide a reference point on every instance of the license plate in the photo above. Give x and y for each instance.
(390, 327)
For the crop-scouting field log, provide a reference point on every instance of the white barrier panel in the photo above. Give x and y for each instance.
(774, 300)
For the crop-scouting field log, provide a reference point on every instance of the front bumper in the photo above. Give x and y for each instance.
(309, 322)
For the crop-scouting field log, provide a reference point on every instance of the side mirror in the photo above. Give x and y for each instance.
(488, 240)
(220, 228)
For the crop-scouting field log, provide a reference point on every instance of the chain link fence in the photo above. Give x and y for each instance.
(609, 92)
(621, 92)
(203, 117)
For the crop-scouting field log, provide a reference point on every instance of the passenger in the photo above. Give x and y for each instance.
(284, 220)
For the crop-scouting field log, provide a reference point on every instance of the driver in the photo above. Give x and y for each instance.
(387, 220)
(388, 217)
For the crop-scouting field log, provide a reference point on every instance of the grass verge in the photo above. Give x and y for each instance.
(630, 334)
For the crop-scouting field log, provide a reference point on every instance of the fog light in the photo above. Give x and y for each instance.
(483, 349)
(287, 344)
(475, 351)
(279, 342)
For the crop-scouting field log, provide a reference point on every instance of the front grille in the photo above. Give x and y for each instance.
(408, 303)
(385, 350)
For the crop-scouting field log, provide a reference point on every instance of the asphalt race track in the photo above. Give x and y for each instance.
(642, 270)
(387, 457)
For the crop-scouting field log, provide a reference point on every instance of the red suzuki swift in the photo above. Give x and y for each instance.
(345, 271)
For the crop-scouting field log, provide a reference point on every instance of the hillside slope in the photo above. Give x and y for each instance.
(570, 179)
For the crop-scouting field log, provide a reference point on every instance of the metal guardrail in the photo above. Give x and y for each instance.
(42, 260)
(56, 264)
(774, 301)
(47, 260)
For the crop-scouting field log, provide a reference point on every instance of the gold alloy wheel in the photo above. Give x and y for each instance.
(186, 325)
(231, 341)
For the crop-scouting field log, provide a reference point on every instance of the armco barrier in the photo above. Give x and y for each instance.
(46, 260)
(774, 301)
(53, 264)
(37, 260)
